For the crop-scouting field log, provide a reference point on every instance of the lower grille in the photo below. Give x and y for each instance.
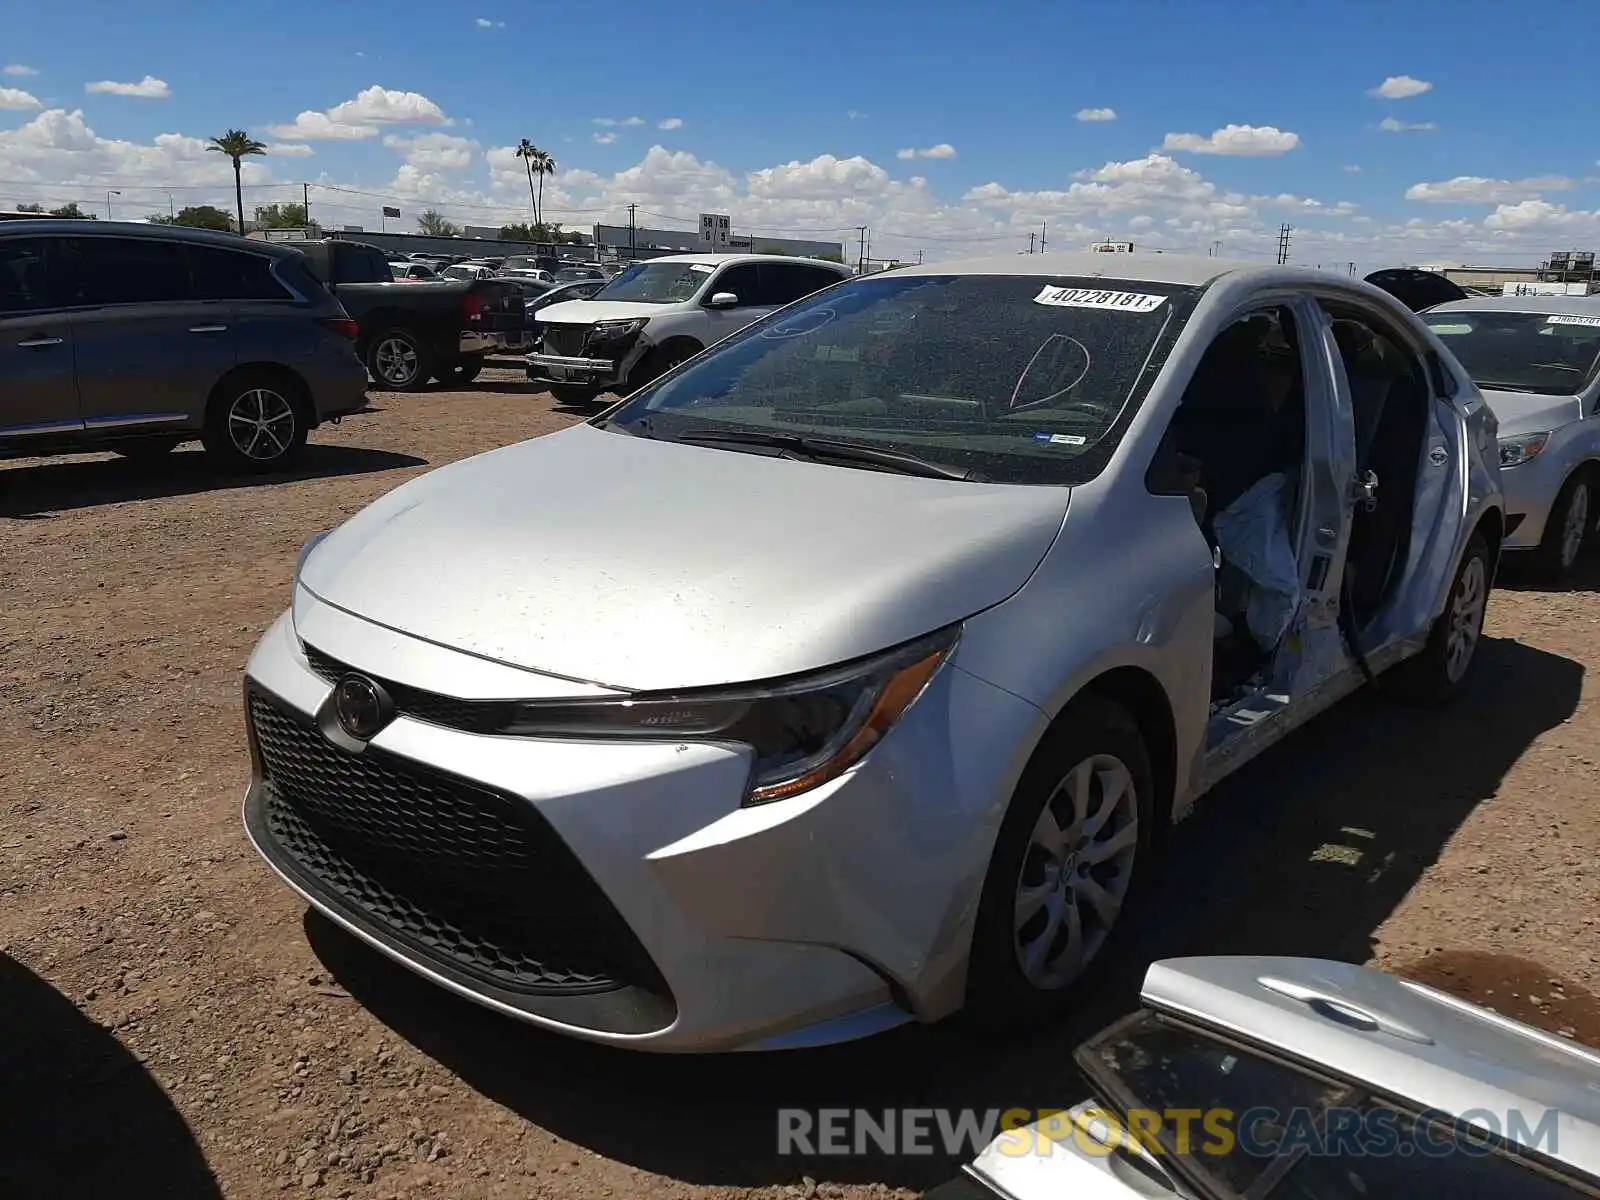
(463, 876)
(569, 341)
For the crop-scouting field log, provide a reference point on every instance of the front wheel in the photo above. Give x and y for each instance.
(1565, 530)
(461, 371)
(657, 363)
(399, 361)
(1435, 676)
(255, 423)
(1071, 848)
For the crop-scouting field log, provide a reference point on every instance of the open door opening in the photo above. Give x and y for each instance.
(1390, 399)
(1242, 426)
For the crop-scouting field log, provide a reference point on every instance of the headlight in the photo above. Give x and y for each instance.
(804, 732)
(305, 552)
(1515, 451)
(606, 330)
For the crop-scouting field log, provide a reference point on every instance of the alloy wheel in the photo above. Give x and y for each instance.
(396, 361)
(1076, 871)
(1467, 605)
(261, 424)
(1575, 526)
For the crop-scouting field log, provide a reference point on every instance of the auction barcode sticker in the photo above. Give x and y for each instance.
(1566, 320)
(1071, 297)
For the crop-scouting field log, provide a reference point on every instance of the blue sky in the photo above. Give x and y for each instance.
(817, 117)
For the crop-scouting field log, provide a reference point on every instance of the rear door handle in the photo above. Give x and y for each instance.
(38, 342)
(208, 329)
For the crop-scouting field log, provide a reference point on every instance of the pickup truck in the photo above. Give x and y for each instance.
(413, 332)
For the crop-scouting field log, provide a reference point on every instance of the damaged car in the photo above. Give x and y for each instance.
(889, 637)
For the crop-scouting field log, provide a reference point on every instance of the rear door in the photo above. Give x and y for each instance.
(39, 395)
(268, 323)
(148, 351)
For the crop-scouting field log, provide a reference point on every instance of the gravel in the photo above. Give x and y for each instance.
(187, 1025)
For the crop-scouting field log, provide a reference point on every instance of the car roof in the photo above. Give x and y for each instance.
(1397, 1038)
(1576, 306)
(159, 233)
(1184, 269)
(717, 260)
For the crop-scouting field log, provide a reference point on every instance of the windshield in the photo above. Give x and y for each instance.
(1015, 379)
(1551, 354)
(460, 272)
(657, 283)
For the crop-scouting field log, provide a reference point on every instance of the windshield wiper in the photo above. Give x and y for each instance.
(826, 448)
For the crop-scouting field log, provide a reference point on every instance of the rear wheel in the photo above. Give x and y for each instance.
(1567, 528)
(145, 449)
(460, 371)
(255, 422)
(399, 361)
(1438, 674)
(1064, 865)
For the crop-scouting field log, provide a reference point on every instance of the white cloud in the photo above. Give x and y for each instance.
(361, 116)
(1474, 189)
(148, 88)
(1352, 169)
(1097, 114)
(605, 139)
(1399, 87)
(290, 149)
(855, 114)
(942, 150)
(19, 70)
(632, 121)
(435, 151)
(486, 23)
(1390, 125)
(17, 100)
(1246, 141)
(670, 123)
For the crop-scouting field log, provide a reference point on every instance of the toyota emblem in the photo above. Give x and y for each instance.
(362, 706)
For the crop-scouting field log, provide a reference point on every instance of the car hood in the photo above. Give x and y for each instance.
(646, 565)
(587, 312)
(1520, 413)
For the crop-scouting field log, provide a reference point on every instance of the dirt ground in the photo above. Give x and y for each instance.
(172, 1022)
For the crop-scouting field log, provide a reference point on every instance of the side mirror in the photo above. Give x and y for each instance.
(723, 300)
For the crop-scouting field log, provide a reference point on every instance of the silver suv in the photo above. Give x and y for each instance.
(134, 338)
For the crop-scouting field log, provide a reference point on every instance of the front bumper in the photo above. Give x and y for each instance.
(661, 914)
(559, 368)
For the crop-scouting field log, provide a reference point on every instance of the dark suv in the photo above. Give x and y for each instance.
(135, 338)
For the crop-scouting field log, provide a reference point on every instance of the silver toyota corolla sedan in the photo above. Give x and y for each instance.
(1537, 359)
(851, 671)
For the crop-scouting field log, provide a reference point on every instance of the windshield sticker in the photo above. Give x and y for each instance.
(1450, 330)
(703, 268)
(1060, 439)
(1070, 297)
(1565, 320)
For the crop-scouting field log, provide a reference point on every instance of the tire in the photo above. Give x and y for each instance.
(256, 422)
(1571, 519)
(657, 363)
(145, 449)
(399, 361)
(1437, 675)
(570, 394)
(1093, 743)
(459, 372)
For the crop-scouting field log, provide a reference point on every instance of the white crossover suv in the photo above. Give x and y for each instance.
(655, 314)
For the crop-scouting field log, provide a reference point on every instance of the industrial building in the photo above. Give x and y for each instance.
(622, 241)
(1573, 268)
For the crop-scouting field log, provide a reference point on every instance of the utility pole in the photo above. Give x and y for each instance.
(1283, 243)
(919, 258)
(1350, 269)
(305, 201)
(861, 253)
(1216, 248)
(1031, 239)
(1041, 238)
(633, 233)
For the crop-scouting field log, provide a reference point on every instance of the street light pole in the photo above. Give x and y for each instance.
(108, 203)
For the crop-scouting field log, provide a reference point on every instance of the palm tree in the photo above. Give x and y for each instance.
(236, 143)
(541, 163)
